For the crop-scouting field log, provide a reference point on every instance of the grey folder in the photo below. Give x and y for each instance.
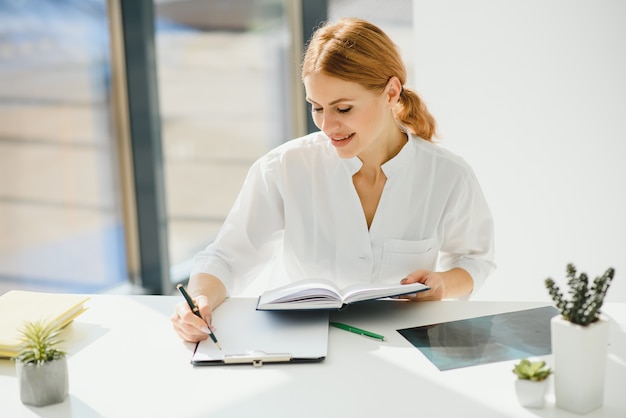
(248, 336)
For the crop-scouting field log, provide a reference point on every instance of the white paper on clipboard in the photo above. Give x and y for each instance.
(248, 336)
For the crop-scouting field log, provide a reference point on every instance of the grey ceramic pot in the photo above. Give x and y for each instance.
(44, 384)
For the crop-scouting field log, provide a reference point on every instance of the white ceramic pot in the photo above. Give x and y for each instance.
(531, 394)
(44, 384)
(580, 354)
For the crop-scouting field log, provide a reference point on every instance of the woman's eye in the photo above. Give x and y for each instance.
(321, 109)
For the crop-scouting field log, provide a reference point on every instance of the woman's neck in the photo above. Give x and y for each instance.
(374, 160)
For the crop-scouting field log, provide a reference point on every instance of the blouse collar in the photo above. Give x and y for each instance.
(396, 165)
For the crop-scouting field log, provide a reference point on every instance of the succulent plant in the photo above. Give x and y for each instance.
(532, 370)
(40, 343)
(585, 302)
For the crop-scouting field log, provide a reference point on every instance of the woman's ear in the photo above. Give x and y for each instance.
(393, 90)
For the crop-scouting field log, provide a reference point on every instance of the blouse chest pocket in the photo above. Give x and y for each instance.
(402, 257)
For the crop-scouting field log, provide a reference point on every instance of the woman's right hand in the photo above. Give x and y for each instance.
(187, 325)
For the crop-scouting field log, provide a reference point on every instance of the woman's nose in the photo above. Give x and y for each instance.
(329, 121)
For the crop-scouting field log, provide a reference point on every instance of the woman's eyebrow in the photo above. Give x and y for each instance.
(331, 103)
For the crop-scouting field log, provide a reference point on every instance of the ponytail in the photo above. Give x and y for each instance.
(412, 113)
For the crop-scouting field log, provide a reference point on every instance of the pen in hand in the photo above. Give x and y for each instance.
(196, 311)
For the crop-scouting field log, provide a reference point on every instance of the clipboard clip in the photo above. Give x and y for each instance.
(257, 358)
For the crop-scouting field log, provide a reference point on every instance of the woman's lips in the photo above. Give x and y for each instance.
(342, 141)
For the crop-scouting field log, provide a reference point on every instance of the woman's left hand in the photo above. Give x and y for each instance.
(431, 279)
(453, 283)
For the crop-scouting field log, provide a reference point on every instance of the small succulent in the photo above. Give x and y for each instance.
(40, 343)
(532, 370)
(583, 307)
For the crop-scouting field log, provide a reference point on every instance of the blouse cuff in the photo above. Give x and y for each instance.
(216, 267)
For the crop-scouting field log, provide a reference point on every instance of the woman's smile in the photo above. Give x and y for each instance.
(341, 141)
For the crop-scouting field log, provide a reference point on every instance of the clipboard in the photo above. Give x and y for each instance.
(252, 337)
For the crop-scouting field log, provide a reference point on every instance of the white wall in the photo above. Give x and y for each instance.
(532, 93)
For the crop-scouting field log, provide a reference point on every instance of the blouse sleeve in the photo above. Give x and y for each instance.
(249, 234)
(469, 232)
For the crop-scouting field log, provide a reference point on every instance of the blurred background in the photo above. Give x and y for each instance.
(225, 72)
(127, 127)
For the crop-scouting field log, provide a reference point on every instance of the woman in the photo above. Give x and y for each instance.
(367, 198)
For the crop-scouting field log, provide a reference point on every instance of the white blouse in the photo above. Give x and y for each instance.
(298, 216)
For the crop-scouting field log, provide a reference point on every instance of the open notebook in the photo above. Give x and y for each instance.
(248, 336)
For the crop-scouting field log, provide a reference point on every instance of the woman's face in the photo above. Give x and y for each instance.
(354, 118)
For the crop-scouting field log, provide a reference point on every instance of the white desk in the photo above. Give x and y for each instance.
(126, 361)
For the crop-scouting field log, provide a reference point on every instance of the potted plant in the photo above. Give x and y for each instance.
(532, 382)
(41, 366)
(579, 337)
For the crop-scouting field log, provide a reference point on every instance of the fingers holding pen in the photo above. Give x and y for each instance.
(190, 326)
(205, 312)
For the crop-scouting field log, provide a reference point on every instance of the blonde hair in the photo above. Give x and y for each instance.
(355, 50)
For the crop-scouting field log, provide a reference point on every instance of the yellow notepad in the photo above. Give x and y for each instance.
(19, 306)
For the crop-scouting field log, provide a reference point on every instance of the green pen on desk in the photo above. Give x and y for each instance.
(358, 331)
(196, 311)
